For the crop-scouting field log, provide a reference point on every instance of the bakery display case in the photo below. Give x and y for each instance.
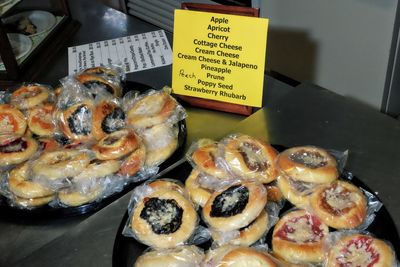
(30, 34)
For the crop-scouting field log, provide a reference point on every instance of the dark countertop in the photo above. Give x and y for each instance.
(291, 116)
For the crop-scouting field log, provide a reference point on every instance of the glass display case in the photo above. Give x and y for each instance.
(30, 34)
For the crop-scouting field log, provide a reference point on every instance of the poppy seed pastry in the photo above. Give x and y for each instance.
(298, 237)
(235, 206)
(108, 117)
(92, 80)
(164, 219)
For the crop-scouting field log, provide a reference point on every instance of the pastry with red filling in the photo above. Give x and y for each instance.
(17, 151)
(40, 120)
(298, 237)
(12, 121)
(340, 205)
(251, 158)
(360, 250)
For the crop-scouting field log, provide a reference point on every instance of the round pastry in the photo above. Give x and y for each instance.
(340, 205)
(308, 164)
(134, 162)
(60, 164)
(249, 234)
(182, 256)
(97, 169)
(235, 256)
(161, 142)
(204, 158)
(76, 121)
(151, 110)
(17, 151)
(91, 80)
(102, 71)
(40, 120)
(33, 202)
(274, 193)
(235, 206)
(197, 193)
(297, 192)
(251, 158)
(298, 237)
(28, 96)
(116, 145)
(75, 198)
(360, 250)
(12, 121)
(166, 184)
(108, 117)
(164, 219)
(20, 185)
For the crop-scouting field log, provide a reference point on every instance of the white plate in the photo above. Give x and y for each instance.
(21, 45)
(43, 20)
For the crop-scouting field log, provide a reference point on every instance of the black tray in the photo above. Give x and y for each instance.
(43, 213)
(127, 249)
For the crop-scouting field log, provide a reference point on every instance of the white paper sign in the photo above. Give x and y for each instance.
(136, 52)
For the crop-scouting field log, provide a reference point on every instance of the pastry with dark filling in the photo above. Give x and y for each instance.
(92, 80)
(299, 236)
(116, 145)
(108, 117)
(245, 236)
(340, 205)
(164, 219)
(76, 121)
(360, 250)
(109, 72)
(28, 96)
(17, 151)
(151, 109)
(251, 158)
(235, 206)
(236, 256)
(308, 164)
(40, 120)
(205, 160)
(12, 121)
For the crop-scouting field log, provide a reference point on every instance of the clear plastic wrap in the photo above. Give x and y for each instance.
(253, 233)
(161, 141)
(12, 121)
(29, 95)
(181, 256)
(355, 248)
(342, 205)
(235, 206)
(102, 79)
(299, 236)
(310, 164)
(203, 155)
(229, 255)
(248, 157)
(162, 216)
(151, 108)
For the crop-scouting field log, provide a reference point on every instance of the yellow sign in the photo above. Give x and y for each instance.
(219, 56)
